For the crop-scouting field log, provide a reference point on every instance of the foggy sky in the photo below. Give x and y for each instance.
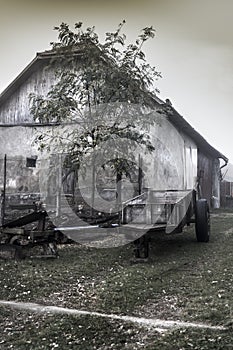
(193, 49)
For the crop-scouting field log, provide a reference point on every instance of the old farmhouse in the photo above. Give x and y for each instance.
(182, 159)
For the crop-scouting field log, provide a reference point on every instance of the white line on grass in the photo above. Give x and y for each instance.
(159, 325)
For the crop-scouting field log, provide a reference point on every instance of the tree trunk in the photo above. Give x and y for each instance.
(118, 190)
(140, 174)
(93, 187)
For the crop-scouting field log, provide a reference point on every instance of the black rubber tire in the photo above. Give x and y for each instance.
(202, 221)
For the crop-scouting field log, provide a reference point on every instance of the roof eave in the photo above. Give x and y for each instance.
(25, 74)
(39, 59)
(200, 141)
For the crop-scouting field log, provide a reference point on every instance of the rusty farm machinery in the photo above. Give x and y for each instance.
(25, 228)
(28, 234)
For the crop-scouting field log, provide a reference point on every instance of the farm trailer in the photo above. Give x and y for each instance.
(143, 216)
(168, 211)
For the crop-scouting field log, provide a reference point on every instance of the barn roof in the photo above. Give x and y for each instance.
(182, 125)
(38, 62)
(173, 116)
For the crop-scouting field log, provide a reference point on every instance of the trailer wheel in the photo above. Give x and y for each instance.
(202, 221)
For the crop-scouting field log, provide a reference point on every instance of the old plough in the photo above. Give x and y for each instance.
(26, 230)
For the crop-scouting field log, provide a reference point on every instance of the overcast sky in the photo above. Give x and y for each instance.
(193, 49)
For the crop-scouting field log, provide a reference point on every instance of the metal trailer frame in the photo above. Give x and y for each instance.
(169, 211)
(146, 214)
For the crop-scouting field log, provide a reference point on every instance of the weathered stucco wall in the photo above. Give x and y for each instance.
(173, 164)
(16, 143)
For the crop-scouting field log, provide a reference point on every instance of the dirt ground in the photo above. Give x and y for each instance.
(183, 281)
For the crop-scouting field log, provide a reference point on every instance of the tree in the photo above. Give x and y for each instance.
(102, 98)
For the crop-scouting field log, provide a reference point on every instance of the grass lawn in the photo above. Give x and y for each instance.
(182, 280)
